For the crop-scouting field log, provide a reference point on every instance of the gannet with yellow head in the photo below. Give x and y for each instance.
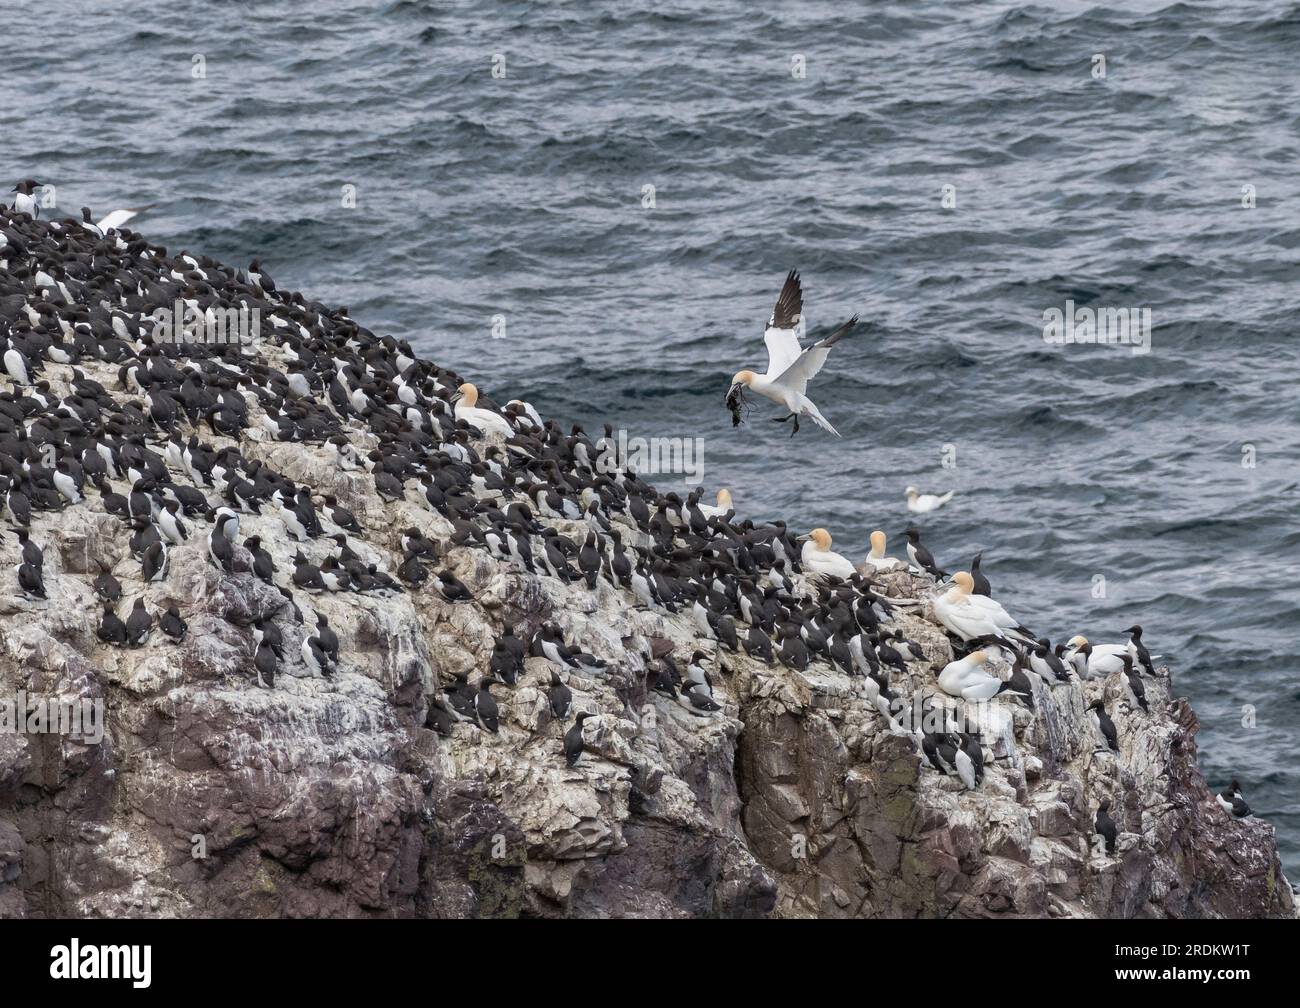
(819, 561)
(724, 505)
(876, 559)
(789, 366)
(969, 616)
(466, 408)
(1094, 661)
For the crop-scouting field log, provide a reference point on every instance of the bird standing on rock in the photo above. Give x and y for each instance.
(1102, 722)
(172, 625)
(1105, 826)
(450, 588)
(1230, 799)
(265, 664)
(560, 697)
(30, 581)
(139, 625)
(111, 628)
(819, 560)
(485, 707)
(921, 557)
(573, 740)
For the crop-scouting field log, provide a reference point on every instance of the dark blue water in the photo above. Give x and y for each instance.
(522, 197)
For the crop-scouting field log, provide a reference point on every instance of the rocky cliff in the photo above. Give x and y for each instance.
(210, 793)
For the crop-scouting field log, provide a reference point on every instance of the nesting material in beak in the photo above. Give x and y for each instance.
(735, 399)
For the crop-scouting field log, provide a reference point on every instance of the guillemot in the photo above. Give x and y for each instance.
(1105, 826)
(1232, 802)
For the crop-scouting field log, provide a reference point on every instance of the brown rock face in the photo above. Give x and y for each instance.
(208, 795)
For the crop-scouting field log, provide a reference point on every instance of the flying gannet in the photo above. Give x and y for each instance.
(789, 366)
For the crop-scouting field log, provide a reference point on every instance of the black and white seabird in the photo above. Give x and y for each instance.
(107, 587)
(25, 200)
(560, 697)
(263, 565)
(1137, 650)
(314, 657)
(921, 557)
(265, 664)
(1230, 799)
(153, 564)
(30, 581)
(111, 628)
(1105, 826)
(1101, 720)
(982, 586)
(329, 640)
(306, 575)
(450, 588)
(32, 554)
(172, 624)
(1137, 693)
(573, 740)
(220, 551)
(485, 706)
(502, 665)
(139, 624)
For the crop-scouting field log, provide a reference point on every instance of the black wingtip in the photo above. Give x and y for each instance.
(841, 332)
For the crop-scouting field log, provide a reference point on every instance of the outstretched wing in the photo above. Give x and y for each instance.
(118, 218)
(805, 367)
(782, 343)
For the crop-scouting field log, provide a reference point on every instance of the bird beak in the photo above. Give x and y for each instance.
(803, 538)
(456, 396)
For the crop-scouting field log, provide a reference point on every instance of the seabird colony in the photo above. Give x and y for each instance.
(162, 453)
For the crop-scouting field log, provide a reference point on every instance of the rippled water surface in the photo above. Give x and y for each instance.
(523, 197)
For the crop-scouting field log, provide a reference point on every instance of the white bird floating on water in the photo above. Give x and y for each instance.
(919, 503)
(819, 561)
(789, 366)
